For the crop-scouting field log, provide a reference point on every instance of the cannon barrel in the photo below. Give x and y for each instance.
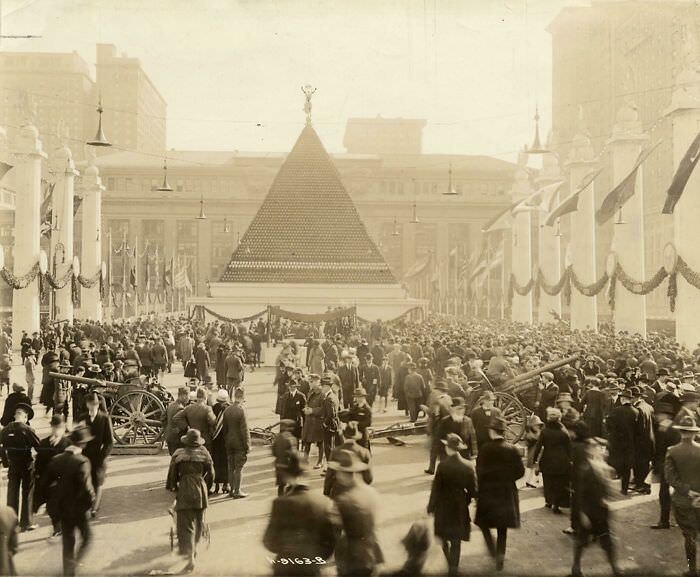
(522, 382)
(83, 380)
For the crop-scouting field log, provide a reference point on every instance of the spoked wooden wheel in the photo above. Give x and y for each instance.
(136, 418)
(515, 415)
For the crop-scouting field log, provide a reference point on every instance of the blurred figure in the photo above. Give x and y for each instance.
(49, 447)
(283, 446)
(553, 458)
(100, 445)
(453, 489)
(358, 552)
(300, 525)
(171, 431)
(682, 469)
(72, 496)
(218, 443)
(417, 543)
(592, 519)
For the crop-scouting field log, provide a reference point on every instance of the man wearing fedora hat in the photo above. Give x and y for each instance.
(498, 467)
(622, 425)
(415, 390)
(292, 405)
(665, 437)
(282, 447)
(361, 413)
(301, 524)
(49, 447)
(439, 403)
(357, 552)
(351, 438)
(72, 496)
(17, 440)
(190, 475)
(682, 469)
(17, 396)
(453, 489)
(644, 442)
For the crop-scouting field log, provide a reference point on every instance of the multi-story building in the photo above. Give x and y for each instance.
(615, 53)
(58, 88)
(135, 112)
(390, 190)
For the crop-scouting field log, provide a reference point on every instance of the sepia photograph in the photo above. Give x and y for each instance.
(355, 288)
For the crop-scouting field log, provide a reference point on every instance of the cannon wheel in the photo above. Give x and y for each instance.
(514, 413)
(136, 418)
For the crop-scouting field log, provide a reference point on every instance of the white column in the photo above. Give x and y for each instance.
(521, 243)
(29, 156)
(549, 249)
(628, 239)
(584, 310)
(685, 116)
(63, 195)
(91, 243)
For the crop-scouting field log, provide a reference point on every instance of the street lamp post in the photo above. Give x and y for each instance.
(123, 250)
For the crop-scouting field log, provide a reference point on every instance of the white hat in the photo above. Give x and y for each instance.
(222, 395)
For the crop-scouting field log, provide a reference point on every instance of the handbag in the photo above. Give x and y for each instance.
(190, 369)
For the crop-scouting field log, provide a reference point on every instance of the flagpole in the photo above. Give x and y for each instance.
(136, 276)
(488, 276)
(125, 280)
(108, 280)
(503, 276)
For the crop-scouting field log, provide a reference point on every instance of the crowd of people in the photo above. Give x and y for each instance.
(601, 406)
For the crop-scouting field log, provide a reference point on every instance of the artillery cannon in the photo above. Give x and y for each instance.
(135, 410)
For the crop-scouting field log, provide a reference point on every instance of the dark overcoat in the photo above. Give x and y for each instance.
(312, 431)
(454, 486)
(498, 467)
(553, 449)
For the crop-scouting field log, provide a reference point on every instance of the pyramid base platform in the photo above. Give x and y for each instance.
(241, 300)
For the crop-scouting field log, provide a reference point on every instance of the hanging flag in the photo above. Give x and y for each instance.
(132, 277)
(45, 212)
(549, 198)
(147, 272)
(680, 179)
(501, 221)
(541, 195)
(4, 168)
(570, 204)
(619, 195)
(168, 273)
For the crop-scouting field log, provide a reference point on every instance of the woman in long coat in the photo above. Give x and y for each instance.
(218, 445)
(203, 362)
(316, 359)
(498, 467)
(553, 458)
(190, 473)
(312, 431)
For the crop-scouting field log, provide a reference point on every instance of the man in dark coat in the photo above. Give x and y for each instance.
(16, 443)
(498, 467)
(548, 391)
(49, 447)
(237, 440)
(415, 389)
(643, 442)
(72, 496)
(370, 378)
(351, 436)
(100, 445)
(665, 437)
(453, 489)
(17, 396)
(357, 552)
(171, 431)
(482, 415)
(621, 425)
(329, 417)
(292, 407)
(459, 424)
(349, 380)
(235, 371)
(361, 413)
(552, 456)
(282, 447)
(49, 363)
(198, 415)
(301, 524)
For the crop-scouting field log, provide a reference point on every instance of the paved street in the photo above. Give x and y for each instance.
(131, 531)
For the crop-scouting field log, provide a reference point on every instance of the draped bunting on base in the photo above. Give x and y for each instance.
(331, 315)
(395, 319)
(202, 308)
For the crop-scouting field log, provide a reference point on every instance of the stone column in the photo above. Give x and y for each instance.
(628, 239)
(685, 116)
(27, 172)
(62, 239)
(521, 246)
(549, 249)
(584, 310)
(91, 242)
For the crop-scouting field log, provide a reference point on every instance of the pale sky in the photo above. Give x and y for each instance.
(474, 69)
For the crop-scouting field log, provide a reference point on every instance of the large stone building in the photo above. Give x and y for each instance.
(388, 189)
(615, 53)
(63, 93)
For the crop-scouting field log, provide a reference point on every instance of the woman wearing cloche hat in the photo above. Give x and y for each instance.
(189, 467)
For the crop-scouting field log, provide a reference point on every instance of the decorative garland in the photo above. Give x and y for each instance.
(611, 290)
(690, 276)
(61, 282)
(21, 282)
(672, 291)
(589, 290)
(640, 287)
